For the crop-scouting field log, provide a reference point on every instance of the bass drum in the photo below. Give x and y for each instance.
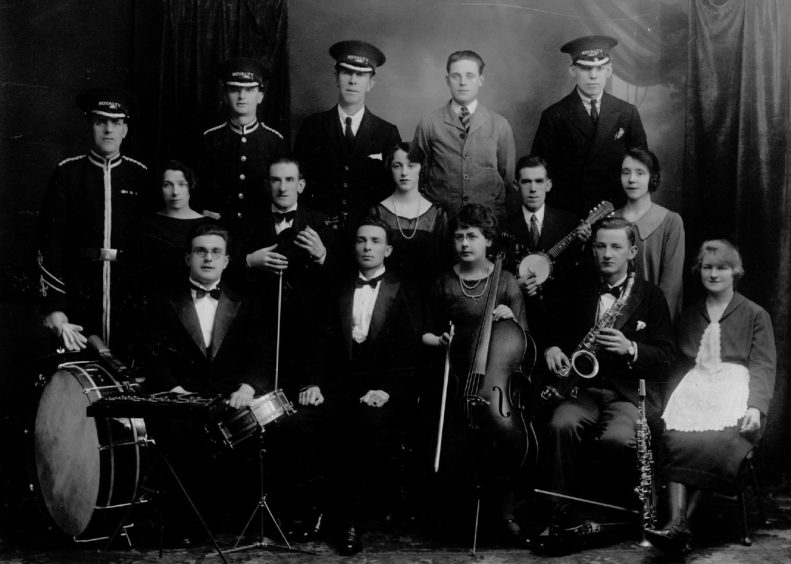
(87, 469)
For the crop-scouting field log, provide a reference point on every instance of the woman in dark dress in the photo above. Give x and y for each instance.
(716, 412)
(419, 227)
(163, 234)
(459, 296)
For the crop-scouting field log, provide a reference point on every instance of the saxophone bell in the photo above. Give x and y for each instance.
(585, 364)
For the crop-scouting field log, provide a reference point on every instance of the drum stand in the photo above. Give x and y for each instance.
(161, 457)
(263, 507)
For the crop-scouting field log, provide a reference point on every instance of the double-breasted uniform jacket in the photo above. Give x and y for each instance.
(746, 338)
(388, 357)
(306, 283)
(91, 203)
(585, 160)
(344, 182)
(235, 168)
(174, 353)
(474, 167)
(644, 319)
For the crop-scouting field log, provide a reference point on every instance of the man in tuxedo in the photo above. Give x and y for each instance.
(470, 149)
(346, 423)
(285, 238)
(585, 136)
(640, 344)
(236, 153)
(342, 149)
(537, 227)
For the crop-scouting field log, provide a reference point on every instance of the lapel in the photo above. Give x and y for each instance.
(188, 317)
(578, 117)
(269, 226)
(453, 120)
(548, 231)
(608, 117)
(227, 309)
(635, 299)
(333, 132)
(362, 141)
(345, 306)
(384, 301)
(736, 301)
(521, 230)
(300, 219)
(479, 118)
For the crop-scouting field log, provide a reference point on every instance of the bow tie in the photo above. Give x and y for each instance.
(201, 293)
(280, 217)
(615, 291)
(360, 282)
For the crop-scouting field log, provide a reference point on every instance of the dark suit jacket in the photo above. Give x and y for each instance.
(340, 181)
(646, 308)
(174, 353)
(585, 161)
(392, 345)
(305, 300)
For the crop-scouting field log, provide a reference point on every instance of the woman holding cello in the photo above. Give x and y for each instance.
(486, 437)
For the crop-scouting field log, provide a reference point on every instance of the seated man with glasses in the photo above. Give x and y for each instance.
(205, 338)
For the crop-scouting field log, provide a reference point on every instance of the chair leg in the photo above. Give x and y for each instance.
(757, 492)
(746, 540)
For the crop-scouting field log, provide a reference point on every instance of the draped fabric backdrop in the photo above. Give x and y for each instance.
(736, 174)
(197, 36)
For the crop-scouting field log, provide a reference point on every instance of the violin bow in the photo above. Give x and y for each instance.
(443, 401)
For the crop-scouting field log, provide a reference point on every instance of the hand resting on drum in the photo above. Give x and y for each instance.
(311, 396)
(242, 397)
(69, 333)
(375, 398)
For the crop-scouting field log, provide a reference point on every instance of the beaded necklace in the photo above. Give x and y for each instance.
(398, 223)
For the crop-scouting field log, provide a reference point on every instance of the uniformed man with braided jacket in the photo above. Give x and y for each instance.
(237, 153)
(88, 223)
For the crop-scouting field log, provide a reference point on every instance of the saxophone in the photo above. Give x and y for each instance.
(584, 363)
(645, 489)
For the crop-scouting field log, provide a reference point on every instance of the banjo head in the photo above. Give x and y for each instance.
(538, 263)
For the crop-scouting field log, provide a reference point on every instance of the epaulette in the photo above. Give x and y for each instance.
(216, 127)
(276, 132)
(78, 157)
(138, 163)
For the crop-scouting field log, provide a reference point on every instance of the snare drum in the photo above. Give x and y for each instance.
(87, 469)
(247, 421)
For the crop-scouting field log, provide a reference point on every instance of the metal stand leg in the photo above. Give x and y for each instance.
(477, 520)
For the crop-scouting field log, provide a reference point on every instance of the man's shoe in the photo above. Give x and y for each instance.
(676, 538)
(351, 542)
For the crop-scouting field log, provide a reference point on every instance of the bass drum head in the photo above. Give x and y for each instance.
(67, 453)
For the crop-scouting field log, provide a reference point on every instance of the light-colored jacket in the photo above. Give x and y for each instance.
(464, 168)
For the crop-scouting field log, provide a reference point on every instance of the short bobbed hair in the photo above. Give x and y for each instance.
(475, 215)
(722, 252)
(650, 161)
(189, 174)
(414, 153)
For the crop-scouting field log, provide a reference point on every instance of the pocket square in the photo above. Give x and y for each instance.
(619, 133)
(640, 325)
(377, 156)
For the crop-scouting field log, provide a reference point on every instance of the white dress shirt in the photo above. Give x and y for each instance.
(586, 101)
(456, 107)
(363, 307)
(539, 217)
(207, 311)
(285, 224)
(356, 119)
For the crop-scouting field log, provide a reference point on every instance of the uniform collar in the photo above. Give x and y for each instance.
(243, 129)
(99, 160)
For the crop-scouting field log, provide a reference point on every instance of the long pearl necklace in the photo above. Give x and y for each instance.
(464, 287)
(398, 223)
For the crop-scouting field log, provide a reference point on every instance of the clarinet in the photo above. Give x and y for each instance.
(645, 489)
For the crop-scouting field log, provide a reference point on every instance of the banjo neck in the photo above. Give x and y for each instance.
(600, 211)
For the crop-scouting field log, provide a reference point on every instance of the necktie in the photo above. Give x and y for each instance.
(534, 234)
(464, 118)
(200, 292)
(348, 133)
(360, 282)
(280, 217)
(594, 112)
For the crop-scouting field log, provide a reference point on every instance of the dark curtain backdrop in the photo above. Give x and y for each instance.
(197, 36)
(736, 160)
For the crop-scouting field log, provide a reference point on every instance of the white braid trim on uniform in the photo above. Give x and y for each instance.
(276, 132)
(134, 161)
(712, 395)
(78, 157)
(215, 128)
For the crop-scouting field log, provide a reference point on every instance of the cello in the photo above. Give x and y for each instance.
(488, 413)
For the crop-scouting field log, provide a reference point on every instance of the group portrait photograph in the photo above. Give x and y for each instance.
(395, 281)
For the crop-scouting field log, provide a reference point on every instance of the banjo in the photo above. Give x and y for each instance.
(542, 263)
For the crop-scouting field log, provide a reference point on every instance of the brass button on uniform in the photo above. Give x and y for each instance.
(244, 139)
(241, 196)
(244, 158)
(242, 177)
